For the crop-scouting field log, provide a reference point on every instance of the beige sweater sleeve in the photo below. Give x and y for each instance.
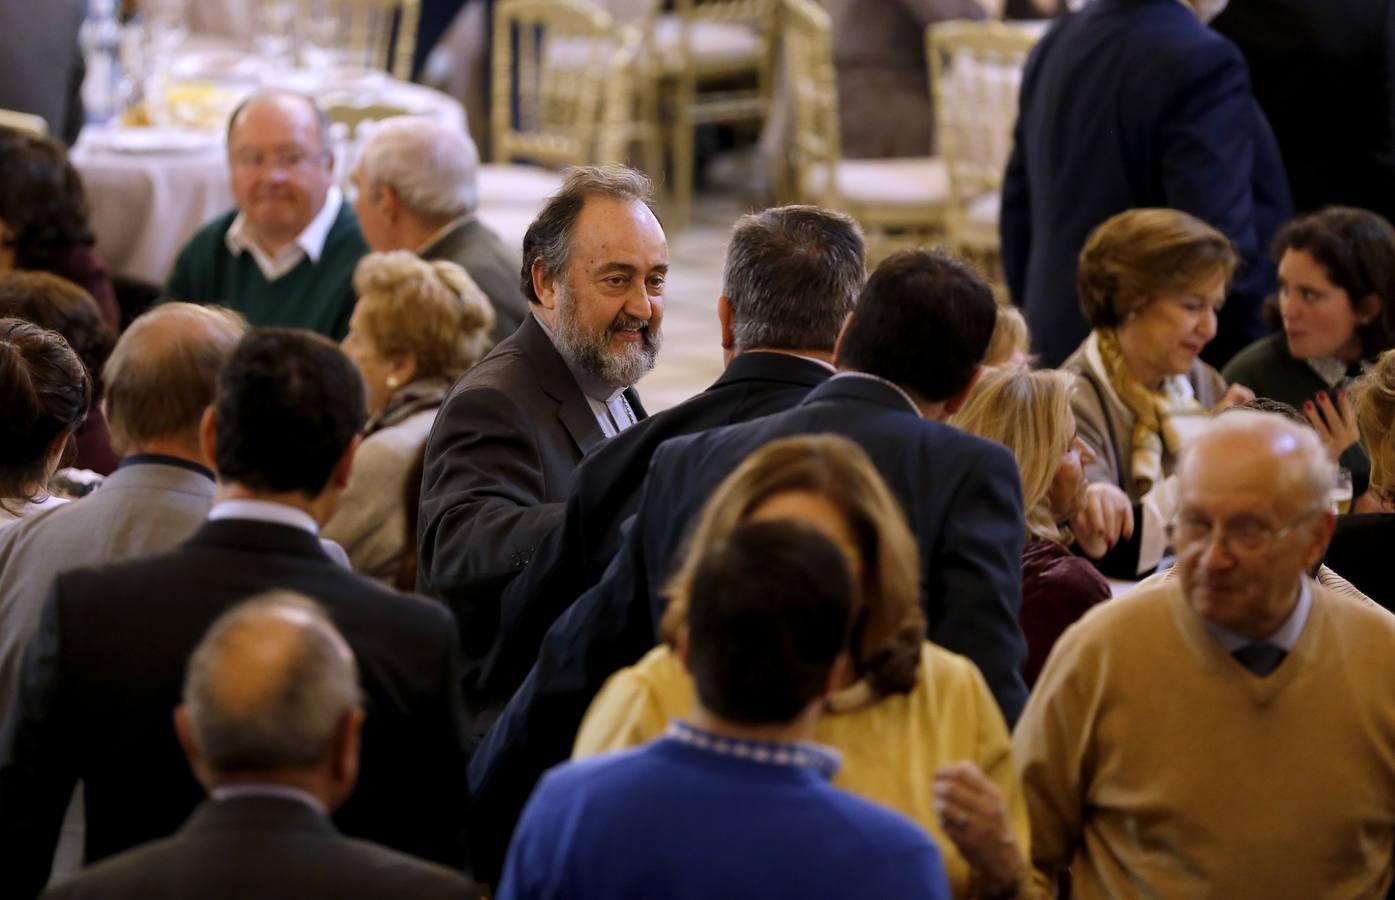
(626, 713)
(1051, 745)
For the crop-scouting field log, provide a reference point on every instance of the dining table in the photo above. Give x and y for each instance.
(157, 173)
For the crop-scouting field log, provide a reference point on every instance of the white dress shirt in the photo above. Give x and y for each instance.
(309, 243)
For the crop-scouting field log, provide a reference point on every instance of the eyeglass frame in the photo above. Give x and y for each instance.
(1274, 534)
(286, 161)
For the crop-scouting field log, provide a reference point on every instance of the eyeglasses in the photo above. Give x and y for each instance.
(1245, 535)
(287, 159)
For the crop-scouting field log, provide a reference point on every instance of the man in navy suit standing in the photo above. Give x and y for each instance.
(1126, 104)
(907, 359)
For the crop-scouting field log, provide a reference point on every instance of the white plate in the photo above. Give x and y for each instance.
(157, 140)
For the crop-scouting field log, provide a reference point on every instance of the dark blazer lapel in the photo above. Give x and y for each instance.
(557, 381)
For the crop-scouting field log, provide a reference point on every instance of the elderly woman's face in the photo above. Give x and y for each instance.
(376, 369)
(1167, 335)
(818, 512)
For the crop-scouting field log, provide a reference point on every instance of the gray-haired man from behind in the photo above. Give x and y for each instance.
(270, 723)
(160, 379)
(416, 190)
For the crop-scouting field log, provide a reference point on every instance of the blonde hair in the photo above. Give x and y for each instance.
(1138, 255)
(1373, 394)
(432, 310)
(1010, 337)
(890, 624)
(1026, 412)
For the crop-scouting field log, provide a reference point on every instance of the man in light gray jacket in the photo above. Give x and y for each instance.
(159, 379)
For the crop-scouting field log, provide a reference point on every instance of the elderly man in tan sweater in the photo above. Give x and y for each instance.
(1230, 732)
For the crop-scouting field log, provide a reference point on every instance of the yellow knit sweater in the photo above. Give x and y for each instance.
(891, 747)
(1155, 765)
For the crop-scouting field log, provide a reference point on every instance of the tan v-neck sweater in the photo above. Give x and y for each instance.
(1155, 765)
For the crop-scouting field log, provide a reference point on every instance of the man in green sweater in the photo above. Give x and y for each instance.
(286, 256)
(1230, 732)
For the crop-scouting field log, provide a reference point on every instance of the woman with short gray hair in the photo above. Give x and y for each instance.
(417, 327)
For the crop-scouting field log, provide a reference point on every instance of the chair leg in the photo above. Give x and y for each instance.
(681, 138)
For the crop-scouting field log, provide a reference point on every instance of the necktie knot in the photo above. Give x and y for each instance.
(1260, 657)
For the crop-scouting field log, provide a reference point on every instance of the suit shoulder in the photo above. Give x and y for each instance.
(406, 875)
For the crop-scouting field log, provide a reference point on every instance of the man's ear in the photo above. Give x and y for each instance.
(836, 673)
(544, 285)
(957, 401)
(724, 317)
(390, 203)
(208, 436)
(184, 731)
(339, 478)
(838, 344)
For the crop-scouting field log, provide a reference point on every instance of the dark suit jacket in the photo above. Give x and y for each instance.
(499, 464)
(1324, 74)
(962, 498)
(263, 847)
(474, 247)
(1357, 553)
(1133, 103)
(104, 673)
(605, 493)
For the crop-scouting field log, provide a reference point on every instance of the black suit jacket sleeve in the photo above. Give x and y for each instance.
(606, 629)
(976, 583)
(37, 769)
(1208, 156)
(1015, 211)
(482, 509)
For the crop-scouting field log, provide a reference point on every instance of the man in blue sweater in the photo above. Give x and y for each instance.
(736, 803)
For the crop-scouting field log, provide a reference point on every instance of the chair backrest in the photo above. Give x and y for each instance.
(815, 145)
(22, 121)
(562, 83)
(378, 34)
(975, 74)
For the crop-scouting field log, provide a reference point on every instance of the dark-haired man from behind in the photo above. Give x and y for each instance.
(736, 803)
(106, 664)
(271, 721)
(792, 276)
(906, 360)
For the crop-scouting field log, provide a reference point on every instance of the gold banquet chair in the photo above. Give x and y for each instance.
(375, 34)
(22, 121)
(714, 61)
(565, 92)
(901, 202)
(976, 74)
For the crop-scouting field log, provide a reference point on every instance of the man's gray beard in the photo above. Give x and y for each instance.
(591, 353)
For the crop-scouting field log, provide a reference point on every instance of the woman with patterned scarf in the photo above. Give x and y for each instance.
(417, 326)
(1151, 282)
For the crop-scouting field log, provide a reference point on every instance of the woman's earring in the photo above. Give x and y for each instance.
(392, 382)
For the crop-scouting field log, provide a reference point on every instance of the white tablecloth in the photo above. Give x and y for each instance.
(146, 203)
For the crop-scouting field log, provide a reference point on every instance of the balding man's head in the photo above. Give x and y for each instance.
(1253, 517)
(272, 693)
(163, 374)
(281, 163)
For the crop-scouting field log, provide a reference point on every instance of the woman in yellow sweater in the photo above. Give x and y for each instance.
(917, 728)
